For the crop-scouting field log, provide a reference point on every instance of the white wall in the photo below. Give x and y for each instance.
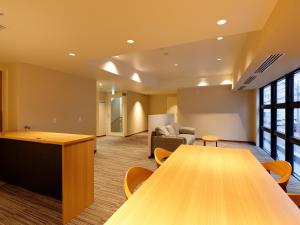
(137, 112)
(48, 100)
(218, 110)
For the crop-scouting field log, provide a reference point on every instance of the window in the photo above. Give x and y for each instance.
(267, 118)
(280, 119)
(281, 91)
(280, 147)
(297, 160)
(267, 95)
(267, 142)
(297, 87)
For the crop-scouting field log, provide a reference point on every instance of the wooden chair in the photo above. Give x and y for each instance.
(281, 168)
(134, 177)
(295, 198)
(160, 155)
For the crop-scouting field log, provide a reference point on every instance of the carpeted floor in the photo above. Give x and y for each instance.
(115, 155)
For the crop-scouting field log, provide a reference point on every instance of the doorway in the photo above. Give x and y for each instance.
(116, 116)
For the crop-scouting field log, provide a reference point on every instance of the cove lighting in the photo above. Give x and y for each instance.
(202, 83)
(110, 67)
(136, 77)
(226, 82)
(221, 22)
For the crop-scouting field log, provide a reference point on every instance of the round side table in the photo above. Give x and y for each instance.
(210, 138)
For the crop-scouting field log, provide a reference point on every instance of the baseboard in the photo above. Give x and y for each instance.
(136, 133)
(101, 135)
(237, 141)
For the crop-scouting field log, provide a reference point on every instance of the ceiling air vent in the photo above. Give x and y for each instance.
(250, 79)
(268, 62)
(241, 88)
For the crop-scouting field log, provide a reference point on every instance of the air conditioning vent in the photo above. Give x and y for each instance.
(241, 88)
(268, 62)
(2, 27)
(250, 79)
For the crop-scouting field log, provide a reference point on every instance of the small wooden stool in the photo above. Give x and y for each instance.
(210, 138)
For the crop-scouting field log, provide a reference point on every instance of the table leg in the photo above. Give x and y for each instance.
(216, 144)
(204, 143)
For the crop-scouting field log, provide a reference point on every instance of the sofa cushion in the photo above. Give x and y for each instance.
(190, 139)
(171, 130)
(187, 130)
(162, 130)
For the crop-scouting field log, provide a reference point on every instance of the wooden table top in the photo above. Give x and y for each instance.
(210, 138)
(46, 137)
(208, 186)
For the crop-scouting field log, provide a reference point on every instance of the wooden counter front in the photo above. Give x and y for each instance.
(208, 186)
(54, 164)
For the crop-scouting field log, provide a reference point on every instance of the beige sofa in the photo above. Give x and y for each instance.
(171, 136)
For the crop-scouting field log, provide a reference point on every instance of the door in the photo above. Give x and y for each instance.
(116, 116)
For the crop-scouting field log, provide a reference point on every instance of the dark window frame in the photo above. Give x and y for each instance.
(289, 107)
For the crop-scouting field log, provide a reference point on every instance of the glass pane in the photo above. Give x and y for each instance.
(267, 95)
(116, 118)
(297, 123)
(280, 147)
(281, 91)
(297, 160)
(297, 87)
(267, 118)
(280, 120)
(267, 141)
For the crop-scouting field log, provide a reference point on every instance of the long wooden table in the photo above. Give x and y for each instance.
(208, 186)
(53, 164)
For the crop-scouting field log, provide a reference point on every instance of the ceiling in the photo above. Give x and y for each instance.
(44, 32)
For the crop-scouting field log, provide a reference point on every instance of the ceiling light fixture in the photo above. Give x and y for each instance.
(116, 56)
(219, 38)
(130, 41)
(175, 64)
(221, 22)
(72, 54)
(219, 59)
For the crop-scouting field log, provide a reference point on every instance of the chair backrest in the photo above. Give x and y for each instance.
(295, 198)
(282, 168)
(134, 177)
(160, 154)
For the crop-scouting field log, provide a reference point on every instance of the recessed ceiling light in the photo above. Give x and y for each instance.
(116, 56)
(72, 54)
(219, 59)
(175, 64)
(130, 41)
(221, 22)
(219, 38)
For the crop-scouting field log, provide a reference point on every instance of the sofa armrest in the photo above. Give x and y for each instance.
(187, 130)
